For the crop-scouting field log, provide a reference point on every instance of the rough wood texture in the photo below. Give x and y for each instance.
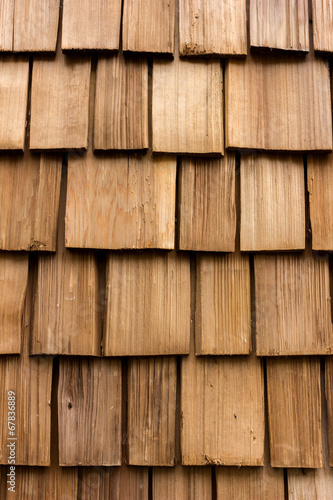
(222, 419)
(29, 201)
(149, 26)
(329, 399)
(320, 187)
(121, 103)
(279, 25)
(187, 107)
(13, 286)
(182, 483)
(272, 202)
(121, 202)
(14, 79)
(36, 25)
(89, 412)
(35, 483)
(293, 305)
(207, 208)
(223, 304)
(6, 26)
(91, 25)
(322, 13)
(147, 304)
(117, 483)
(294, 412)
(264, 109)
(152, 411)
(60, 102)
(310, 484)
(212, 27)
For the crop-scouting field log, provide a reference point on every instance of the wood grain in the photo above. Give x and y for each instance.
(147, 304)
(6, 26)
(207, 208)
(121, 103)
(320, 187)
(149, 26)
(223, 304)
(152, 410)
(35, 483)
(14, 79)
(222, 419)
(29, 201)
(88, 25)
(294, 412)
(329, 400)
(121, 202)
(293, 305)
(60, 102)
(279, 25)
(264, 109)
(310, 484)
(322, 13)
(272, 202)
(89, 412)
(13, 286)
(182, 483)
(117, 483)
(187, 107)
(212, 27)
(36, 25)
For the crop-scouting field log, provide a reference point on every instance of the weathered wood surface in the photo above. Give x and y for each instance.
(314, 484)
(149, 26)
(294, 412)
(147, 304)
(329, 399)
(212, 27)
(322, 13)
(279, 25)
(182, 483)
(89, 412)
(264, 109)
(6, 25)
(223, 304)
(207, 208)
(35, 483)
(14, 79)
(152, 411)
(91, 25)
(121, 202)
(272, 202)
(121, 103)
(293, 305)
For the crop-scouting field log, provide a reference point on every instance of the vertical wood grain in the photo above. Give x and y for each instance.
(183, 483)
(322, 12)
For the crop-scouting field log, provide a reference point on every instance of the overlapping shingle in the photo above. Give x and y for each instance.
(322, 12)
(183, 483)
(32, 483)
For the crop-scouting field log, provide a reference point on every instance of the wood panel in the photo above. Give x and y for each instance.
(187, 107)
(252, 483)
(117, 483)
(320, 187)
(60, 102)
(294, 412)
(322, 13)
(147, 304)
(264, 109)
(310, 484)
(36, 25)
(223, 304)
(35, 483)
(272, 202)
(329, 399)
(152, 411)
(183, 483)
(222, 419)
(279, 25)
(149, 26)
(14, 79)
(6, 26)
(207, 208)
(121, 103)
(121, 202)
(89, 412)
(88, 25)
(13, 286)
(293, 305)
(212, 27)
(29, 201)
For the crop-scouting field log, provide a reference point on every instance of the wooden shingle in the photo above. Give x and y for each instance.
(272, 202)
(329, 399)
(212, 27)
(6, 26)
(151, 411)
(182, 483)
(314, 484)
(207, 208)
(147, 304)
(294, 412)
(34, 483)
(322, 12)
